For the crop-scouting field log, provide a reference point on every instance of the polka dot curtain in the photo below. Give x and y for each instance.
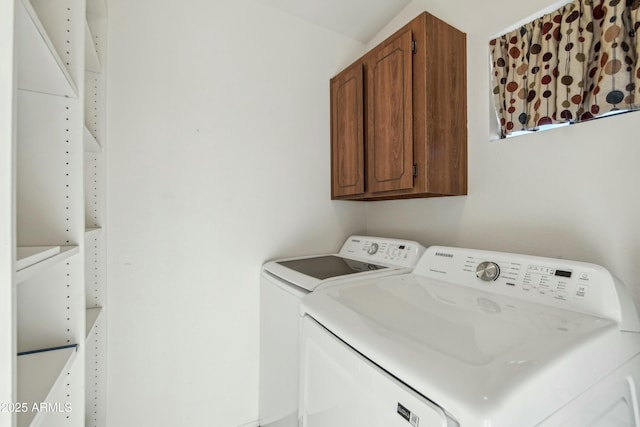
(574, 64)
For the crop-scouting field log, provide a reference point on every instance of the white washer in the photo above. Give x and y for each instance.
(472, 338)
(284, 283)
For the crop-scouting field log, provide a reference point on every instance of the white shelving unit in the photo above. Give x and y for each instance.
(49, 303)
(52, 244)
(94, 199)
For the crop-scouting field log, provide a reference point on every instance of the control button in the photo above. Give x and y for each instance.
(373, 249)
(487, 271)
(585, 276)
(581, 291)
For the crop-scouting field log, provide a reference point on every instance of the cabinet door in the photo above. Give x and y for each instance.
(347, 128)
(390, 116)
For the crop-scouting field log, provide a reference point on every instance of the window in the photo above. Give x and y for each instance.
(574, 64)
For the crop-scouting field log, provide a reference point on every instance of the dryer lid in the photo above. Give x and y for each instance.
(471, 351)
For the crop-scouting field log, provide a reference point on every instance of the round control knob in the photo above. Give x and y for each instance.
(487, 271)
(373, 248)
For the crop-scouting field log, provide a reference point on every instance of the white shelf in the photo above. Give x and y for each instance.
(41, 259)
(92, 318)
(40, 68)
(91, 60)
(92, 230)
(91, 144)
(39, 374)
(29, 255)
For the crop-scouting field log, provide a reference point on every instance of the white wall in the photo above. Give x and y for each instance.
(218, 159)
(569, 192)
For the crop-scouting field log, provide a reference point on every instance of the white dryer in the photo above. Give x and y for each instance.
(472, 338)
(283, 284)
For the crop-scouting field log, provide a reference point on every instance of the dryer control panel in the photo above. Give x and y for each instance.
(572, 285)
(402, 253)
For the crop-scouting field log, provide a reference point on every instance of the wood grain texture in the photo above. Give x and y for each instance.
(347, 133)
(390, 119)
(426, 126)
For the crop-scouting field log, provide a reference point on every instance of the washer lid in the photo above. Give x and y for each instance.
(476, 354)
(359, 256)
(328, 266)
(309, 273)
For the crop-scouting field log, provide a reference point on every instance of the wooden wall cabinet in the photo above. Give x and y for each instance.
(399, 117)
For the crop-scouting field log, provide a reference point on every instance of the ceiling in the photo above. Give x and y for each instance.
(356, 19)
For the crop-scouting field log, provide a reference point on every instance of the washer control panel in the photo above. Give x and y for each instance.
(403, 253)
(565, 284)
